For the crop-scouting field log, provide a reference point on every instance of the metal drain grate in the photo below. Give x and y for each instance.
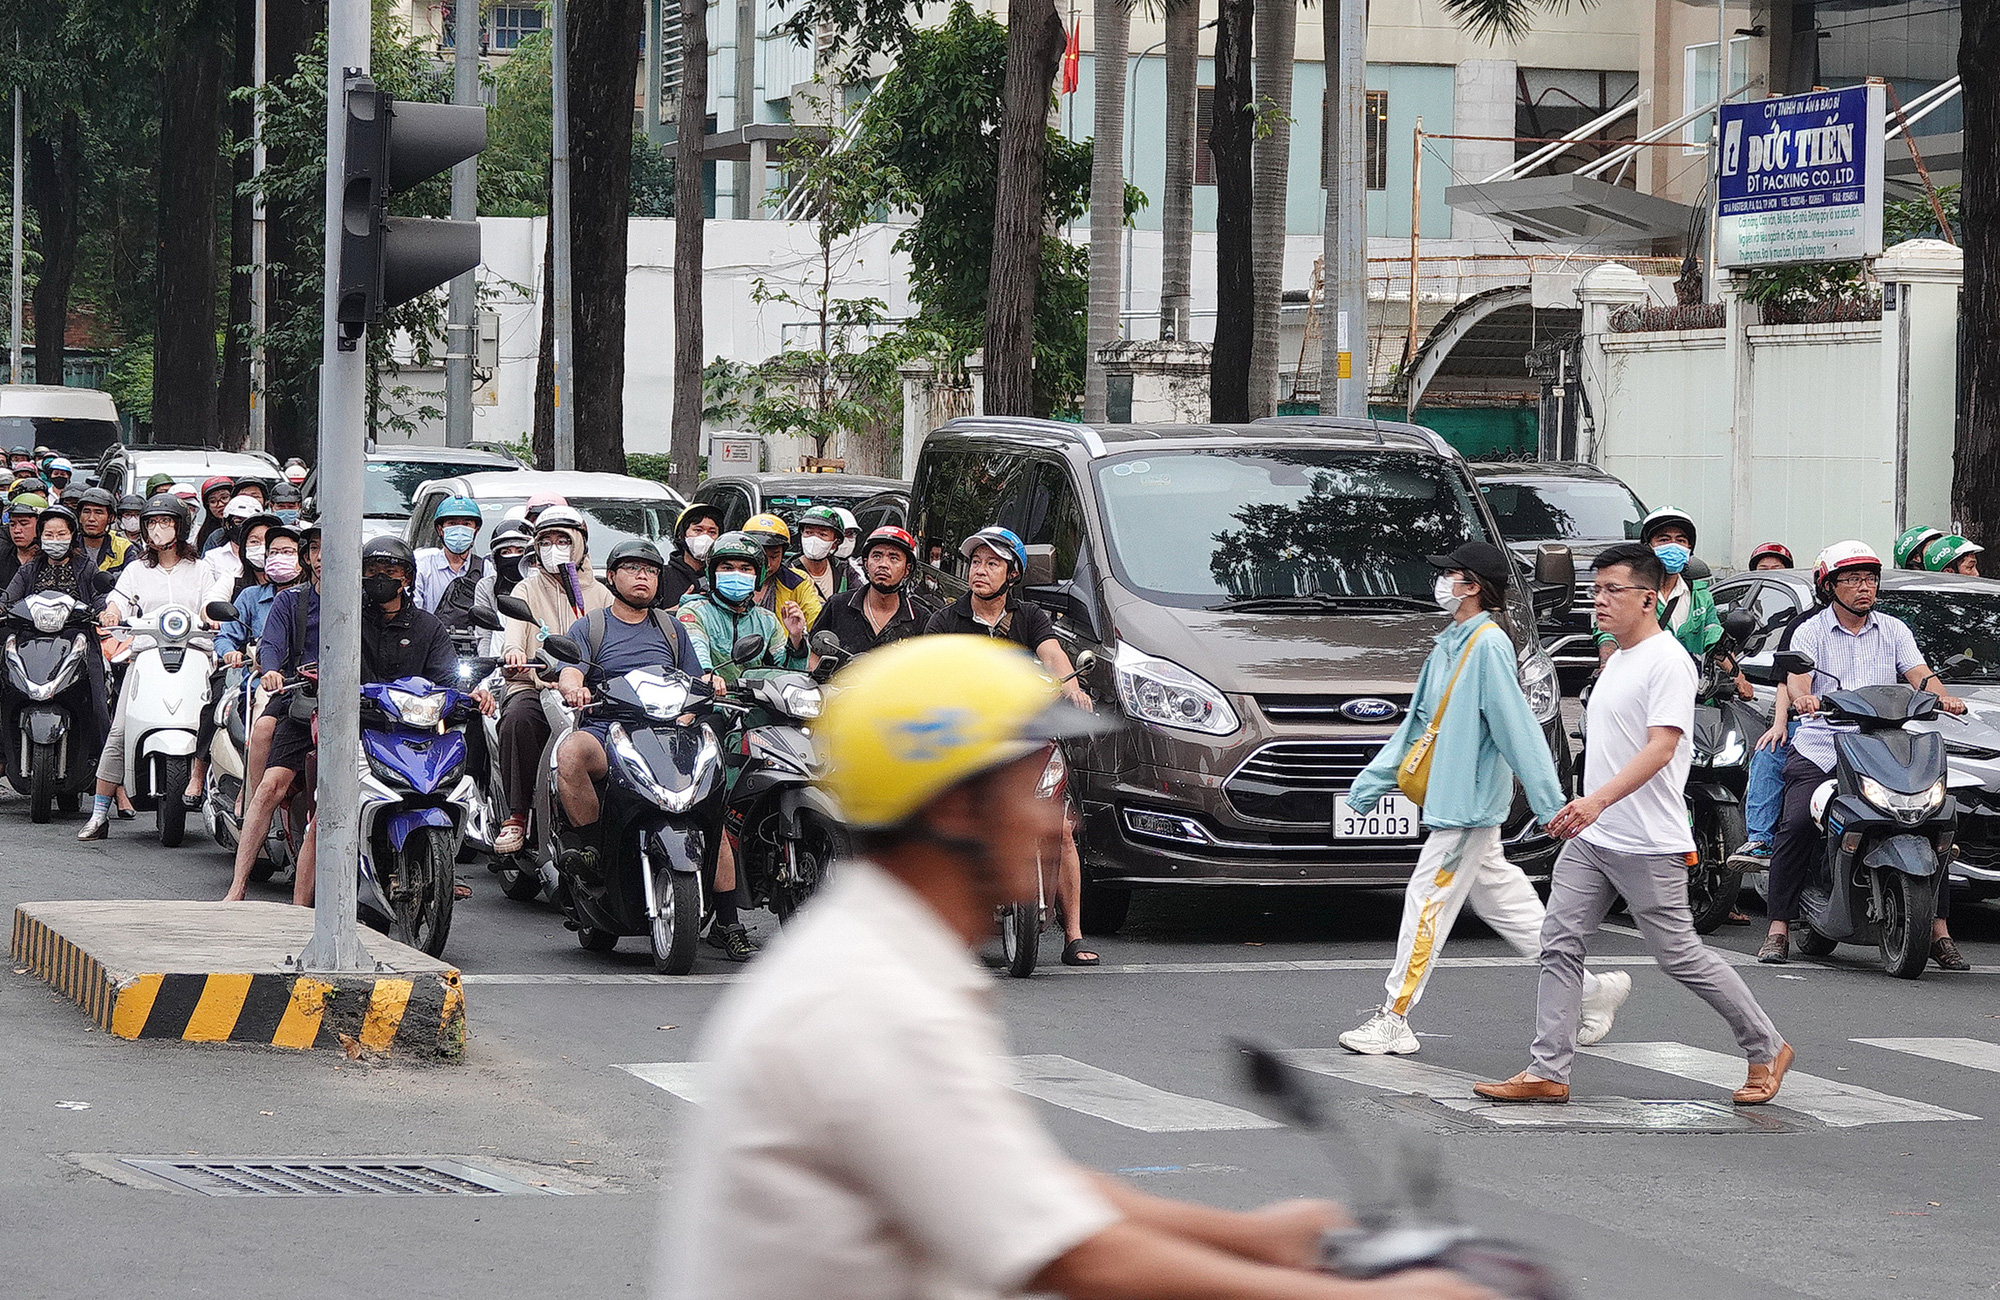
(378, 1177)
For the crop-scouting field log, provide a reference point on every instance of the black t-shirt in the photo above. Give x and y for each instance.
(844, 616)
(676, 580)
(1025, 623)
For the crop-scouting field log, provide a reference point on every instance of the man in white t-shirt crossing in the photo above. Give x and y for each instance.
(1629, 835)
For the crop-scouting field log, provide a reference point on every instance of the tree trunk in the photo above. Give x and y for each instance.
(690, 227)
(1975, 484)
(291, 414)
(1229, 141)
(184, 360)
(604, 45)
(543, 437)
(1177, 197)
(1113, 28)
(1035, 42)
(54, 183)
(1277, 26)
(233, 406)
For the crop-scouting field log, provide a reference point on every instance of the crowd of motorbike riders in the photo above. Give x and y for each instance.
(242, 566)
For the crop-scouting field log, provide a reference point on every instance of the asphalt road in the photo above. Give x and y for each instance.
(1876, 1182)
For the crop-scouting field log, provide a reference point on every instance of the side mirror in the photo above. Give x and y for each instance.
(1549, 600)
(1763, 674)
(1792, 662)
(514, 607)
(1041, 569)
(1738, 625)
(748, 648)
(106, 583)
(564, 649)
(220, 611)
(1555, 566)
(484, 616)
(826, 645)
(1086, 662)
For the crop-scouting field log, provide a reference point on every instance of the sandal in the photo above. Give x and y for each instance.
(461, 891)
(1076, 954)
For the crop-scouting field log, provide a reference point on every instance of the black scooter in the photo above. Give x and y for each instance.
(51, 728)
(1726, 728)
(1888, 821)
(658, 812)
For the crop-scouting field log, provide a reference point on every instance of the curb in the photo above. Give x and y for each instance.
(421, 1015)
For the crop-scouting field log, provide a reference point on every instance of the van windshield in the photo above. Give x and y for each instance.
(79, 440)
(1232, 528)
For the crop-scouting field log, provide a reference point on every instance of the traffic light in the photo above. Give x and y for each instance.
(385, 261)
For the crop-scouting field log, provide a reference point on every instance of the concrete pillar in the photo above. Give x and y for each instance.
(758, 187)
(1920, 286)
(1483, 95)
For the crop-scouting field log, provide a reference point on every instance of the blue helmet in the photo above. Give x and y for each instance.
(1004, 541)
(459, 508)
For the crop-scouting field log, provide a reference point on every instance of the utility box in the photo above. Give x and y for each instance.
(731, 451)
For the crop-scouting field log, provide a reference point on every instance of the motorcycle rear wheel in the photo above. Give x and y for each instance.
(1909, 905)
(596, 940)
(423, 901)
(169, 809)
(1021, 938)
(1712, 884)
(1811, 943)
(818, 845)
(41, 783)
(522, 883)
(676, 931)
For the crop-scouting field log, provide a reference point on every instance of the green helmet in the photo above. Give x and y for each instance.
(736, 546)
(1910, 547)
(1947, 551)
(823, 517)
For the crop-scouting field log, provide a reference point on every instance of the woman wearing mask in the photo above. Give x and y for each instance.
(1685, 607)
(695, 532)
(821, 535)
(129, 507)
(275, 551)
(850, 545)
(242, 548)
(1468, 702)
(62, 565)
(560, 588)
(168, 574)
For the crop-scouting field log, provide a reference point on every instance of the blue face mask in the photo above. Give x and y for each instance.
(458, 538)
(735, 587)
(288, 516)
(1674, 556)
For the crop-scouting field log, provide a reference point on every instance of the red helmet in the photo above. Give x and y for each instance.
(1844, 555)
(894, 536)
(209, 485)
(1778, 549)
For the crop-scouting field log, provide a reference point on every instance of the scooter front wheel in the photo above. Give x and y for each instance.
(41, 783)
(677, 928)
(1811, 943)
(1021, 938)
(169, 809)
(1909, 905)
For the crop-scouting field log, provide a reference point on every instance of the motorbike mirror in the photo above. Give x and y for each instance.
(564, 649)
(1793, 662)
(748, 647)
(826, 645)
(514, 607)
(484, 616)
(106, 583)
(1697, 570)
(1085, 661)
(220, 611)
(1738, 625)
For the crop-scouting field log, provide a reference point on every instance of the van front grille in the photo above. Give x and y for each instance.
(1296, 781)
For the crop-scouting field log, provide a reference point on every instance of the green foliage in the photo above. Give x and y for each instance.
(1914, 218)
(514, 167)
(1510, 20)
(129, 379)
(652, 185)
(724, 386)
(646, 464)
(1806, 282)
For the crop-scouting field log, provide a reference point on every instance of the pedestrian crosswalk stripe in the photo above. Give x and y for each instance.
(1839, 1105)
(684, 1079)
(1085, 1088)
(1973, 1052)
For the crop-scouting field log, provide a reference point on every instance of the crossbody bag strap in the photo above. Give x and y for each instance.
(1437, 720)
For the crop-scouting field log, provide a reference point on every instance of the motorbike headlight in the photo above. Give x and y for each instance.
(1052, 774)
(663, 699)
(1158, 690)
(1731, 751)
(49, 615)
(175, 623)
(641, 772)
(418, 710)
(800, 701)
(1903, 807)
(1541, 685)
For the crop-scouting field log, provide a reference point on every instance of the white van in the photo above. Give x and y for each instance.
(79, 423)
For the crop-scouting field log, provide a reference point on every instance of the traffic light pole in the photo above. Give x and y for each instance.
(336, 943)
(559, 273)
(461, 338)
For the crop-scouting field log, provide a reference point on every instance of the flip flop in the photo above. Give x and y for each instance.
(1075, 953)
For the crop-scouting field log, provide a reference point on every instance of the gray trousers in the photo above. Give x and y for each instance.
(1586, 880)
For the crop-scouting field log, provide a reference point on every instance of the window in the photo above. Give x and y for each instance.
(732, 501)
(1045, 514)
(959, 491)
(1374, 137)
(514, 23)
(1698, 86)
(1204, 122)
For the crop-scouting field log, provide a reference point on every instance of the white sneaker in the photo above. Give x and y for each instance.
(1385, 1034)
(1600, 1006)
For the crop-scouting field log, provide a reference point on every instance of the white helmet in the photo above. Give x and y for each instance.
(1844, 555)
(850, 533)
(1822, 796)
(561, 517)
(243, 507)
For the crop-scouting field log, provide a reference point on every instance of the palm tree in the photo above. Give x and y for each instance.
(1277, 29)
(1177, 195)
(690, 226)
(1112, 22)
(1229, 141)
(1035, 39)
(1975, 480)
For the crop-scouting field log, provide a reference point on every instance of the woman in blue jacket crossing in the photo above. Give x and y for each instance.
(1484, 729)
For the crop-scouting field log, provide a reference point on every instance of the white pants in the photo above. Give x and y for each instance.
(1456, 865)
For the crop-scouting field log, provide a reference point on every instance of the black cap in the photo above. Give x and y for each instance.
(1482, 559)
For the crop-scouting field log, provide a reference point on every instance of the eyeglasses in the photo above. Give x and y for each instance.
(1857, 580)
(1614, 588)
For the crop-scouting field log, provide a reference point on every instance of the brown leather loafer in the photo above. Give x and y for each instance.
(1764, 1080)
(1525, 1087)
(1946, 954)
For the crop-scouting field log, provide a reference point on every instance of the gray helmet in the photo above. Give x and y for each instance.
(393, 549)
(131, 503)
(167, 505)
(638, 550)
(97, 496)
(516, 531)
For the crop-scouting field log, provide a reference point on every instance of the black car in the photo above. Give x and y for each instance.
(873, 501)
(1580, 506)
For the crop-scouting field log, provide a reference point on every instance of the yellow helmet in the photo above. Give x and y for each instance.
(911, 720)
(767, 529)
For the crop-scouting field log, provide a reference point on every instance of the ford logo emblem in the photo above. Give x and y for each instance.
(1369, 710)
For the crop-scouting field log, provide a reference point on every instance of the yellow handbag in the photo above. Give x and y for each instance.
(1413, 774)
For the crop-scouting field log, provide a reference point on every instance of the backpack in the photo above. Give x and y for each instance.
(596, 629)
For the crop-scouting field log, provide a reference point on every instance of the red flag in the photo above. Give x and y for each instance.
(1072, 59)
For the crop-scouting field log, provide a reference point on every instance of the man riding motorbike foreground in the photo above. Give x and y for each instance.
(1953, 554)
(863, 1138)
(457, 522)
(63, 566)
(282, 567)
(397, 640)
(820, 534)
(884, 610)
(106, 550)
(560, 588)
(782, 583)
(168, 573)
(695, 531)
(1852, 645)
(23, 514)
(1685, 607)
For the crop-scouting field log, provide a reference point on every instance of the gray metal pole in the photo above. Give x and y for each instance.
(14, 325)
(1131, 167)
(461, 343)
(1345, 325)
(336, 944)
(260, 275)
(651, 97)
(559, 276)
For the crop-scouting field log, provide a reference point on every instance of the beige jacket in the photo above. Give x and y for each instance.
(546, 596)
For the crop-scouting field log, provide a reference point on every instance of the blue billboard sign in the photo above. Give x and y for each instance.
(1800, 178)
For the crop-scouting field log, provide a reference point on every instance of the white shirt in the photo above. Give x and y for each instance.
(144, 589)
(1650, 685)
(859, 1138)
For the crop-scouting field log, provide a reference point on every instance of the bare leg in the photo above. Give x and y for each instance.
(262, 804)
(197, 777)
(725, 866)
(582, 763)
(302, 880)
(253, 766)
(1069, 883)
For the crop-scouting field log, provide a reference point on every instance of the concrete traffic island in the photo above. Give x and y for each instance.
(224, 972)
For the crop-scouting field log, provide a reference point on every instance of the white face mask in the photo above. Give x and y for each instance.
(846, 548)
(1447, 600)
(128, 523)
(816, 548)
(161, 534)
(55, 549)
(698, 545)
(554, 557)
(254, 553)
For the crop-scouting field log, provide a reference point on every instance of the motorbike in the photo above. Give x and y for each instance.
(1889, 822)
(658, 812)
(52, 731)
(170, 656)
(475, 671)
(524, 872)
(236, 710)
(1400, 1231)
(418, 799)
(1726, 727)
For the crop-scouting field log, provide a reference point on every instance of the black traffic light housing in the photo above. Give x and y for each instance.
(385, 261)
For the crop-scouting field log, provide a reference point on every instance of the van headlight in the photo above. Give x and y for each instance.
(1903, 807)
(1157, 690)
(1541, 685)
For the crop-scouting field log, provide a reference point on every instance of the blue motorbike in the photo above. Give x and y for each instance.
(419, 799)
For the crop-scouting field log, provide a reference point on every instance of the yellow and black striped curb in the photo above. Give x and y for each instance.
(418, 1014)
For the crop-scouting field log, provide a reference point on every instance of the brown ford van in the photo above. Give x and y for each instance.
(1259, 602)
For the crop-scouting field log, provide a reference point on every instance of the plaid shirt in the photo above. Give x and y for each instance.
(1878, 655)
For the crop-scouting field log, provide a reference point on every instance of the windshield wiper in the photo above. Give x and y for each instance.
(1322, 601)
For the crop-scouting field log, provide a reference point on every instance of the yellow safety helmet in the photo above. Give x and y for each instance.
(768, 529)
(911, 720)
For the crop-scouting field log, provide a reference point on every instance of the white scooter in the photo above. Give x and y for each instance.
(168, 664)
